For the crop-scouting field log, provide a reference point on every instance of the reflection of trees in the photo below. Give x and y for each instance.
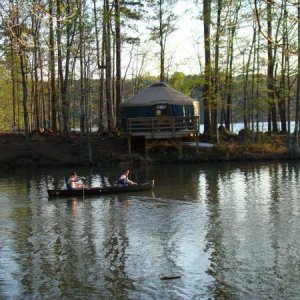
(282, 233)
(215, 233)
(114, 249)
(55, 245)
(175, 181)
(75, 247)
(227, 188)
(248, 237)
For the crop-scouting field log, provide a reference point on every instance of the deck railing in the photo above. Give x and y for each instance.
(178, 126)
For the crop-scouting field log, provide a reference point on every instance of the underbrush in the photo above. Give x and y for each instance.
(259, 147)
(165, 151)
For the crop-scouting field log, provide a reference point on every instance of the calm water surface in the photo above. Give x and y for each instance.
(230, 230)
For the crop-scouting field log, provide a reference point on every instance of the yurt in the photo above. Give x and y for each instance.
(159, 100)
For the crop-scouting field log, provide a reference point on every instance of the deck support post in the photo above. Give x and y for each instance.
(129, 145)
(180, 148)
(146, 147)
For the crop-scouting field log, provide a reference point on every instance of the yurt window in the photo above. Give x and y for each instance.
(161, 110)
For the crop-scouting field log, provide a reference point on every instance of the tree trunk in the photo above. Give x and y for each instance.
(272, 106)
(245, 87)
(207, 80)
(13, 80)
(107, 20)
(230, 58)
(64, 74)
(81, 63)
(118, 62)
(22, 56)
(36, 107)
(161, 43)
(283, 85)
(100, 67)
(257, 83)
(216, 81)
(296, 132)
(25, 95)
(53, 93)
(101, 87)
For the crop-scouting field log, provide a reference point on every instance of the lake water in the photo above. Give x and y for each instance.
(262, 127)
(231, 231)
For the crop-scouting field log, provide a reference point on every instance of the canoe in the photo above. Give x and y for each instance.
(103, 190)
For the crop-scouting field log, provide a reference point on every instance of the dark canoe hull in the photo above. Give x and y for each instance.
(103, 190)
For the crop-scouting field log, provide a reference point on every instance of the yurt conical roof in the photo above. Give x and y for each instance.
(158, 93)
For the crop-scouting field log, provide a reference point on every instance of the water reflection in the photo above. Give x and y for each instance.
(245, 237)
(72, 205)
(229, 230)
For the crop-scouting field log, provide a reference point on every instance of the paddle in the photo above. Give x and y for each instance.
(83, 181)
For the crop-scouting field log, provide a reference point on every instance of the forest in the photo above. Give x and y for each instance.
(69, 64)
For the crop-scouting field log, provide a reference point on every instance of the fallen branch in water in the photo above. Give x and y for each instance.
(167, 277)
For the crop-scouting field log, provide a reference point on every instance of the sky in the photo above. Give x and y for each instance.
(187, 42)
(181, 45)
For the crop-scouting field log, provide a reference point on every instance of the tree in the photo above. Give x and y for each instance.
(68, 25)
(216, 76)
(53, 94)
(118, 61)
(165, 17)
(272, 113)
(233, 22)
(296, 131)
(246, 71)
(207, 101)
(18, 29)
(108, 63)
(35, 29)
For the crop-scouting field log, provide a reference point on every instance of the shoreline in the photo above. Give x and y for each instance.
(49, 150)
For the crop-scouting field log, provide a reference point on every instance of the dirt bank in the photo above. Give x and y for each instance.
(49, 149)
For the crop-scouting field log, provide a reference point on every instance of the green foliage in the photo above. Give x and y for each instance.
(186, 84)
(5, 100)
(177, 81)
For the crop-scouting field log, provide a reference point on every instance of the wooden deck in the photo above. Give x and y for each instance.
(162, 128)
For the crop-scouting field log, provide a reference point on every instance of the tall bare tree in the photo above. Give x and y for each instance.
(271, 95)
(82, 69)
(246, 72)
(207, 101)
(18, 27)
(233, 22)
(296, 131)
(35, 35)
(118, 61)
(67, 23)
(53, 94)
(216, 77)
(108, 64)
(166, 18)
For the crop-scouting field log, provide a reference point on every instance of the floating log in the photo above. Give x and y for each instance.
(168, 277)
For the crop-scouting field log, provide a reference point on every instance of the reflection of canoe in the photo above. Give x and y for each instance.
(104, 190)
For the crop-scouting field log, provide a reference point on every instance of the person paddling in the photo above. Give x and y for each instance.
(123, 179)
(75, 182)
